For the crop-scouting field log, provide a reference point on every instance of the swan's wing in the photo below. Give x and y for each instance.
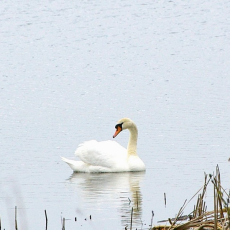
(105, 153)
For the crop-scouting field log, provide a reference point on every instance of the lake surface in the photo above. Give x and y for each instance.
(71, 69)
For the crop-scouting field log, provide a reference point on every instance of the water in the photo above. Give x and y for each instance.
(70, 70)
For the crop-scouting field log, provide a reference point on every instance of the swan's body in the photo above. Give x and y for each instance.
(109, 156)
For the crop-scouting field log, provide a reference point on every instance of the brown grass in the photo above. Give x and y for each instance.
(200, 218)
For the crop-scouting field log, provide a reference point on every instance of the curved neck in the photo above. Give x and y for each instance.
(132, 145)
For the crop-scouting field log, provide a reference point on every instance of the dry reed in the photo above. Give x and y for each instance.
(200, 218)
(46, 220)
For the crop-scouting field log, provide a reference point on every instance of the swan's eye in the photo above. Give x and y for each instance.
(119, 125)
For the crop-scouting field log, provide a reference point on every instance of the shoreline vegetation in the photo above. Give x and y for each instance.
(198, 219)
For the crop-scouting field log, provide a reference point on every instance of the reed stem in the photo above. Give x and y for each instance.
(131, 224)
(16, 224)
(63, 224)
(46, 220)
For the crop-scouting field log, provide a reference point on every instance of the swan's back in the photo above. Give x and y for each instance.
(107, 154)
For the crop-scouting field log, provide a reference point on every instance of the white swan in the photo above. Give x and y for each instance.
(109, 156)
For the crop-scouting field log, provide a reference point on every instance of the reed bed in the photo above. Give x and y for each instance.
(200, 218)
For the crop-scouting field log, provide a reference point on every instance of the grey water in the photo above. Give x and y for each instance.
(70, 69)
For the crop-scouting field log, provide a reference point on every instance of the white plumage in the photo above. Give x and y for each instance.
(109, 156)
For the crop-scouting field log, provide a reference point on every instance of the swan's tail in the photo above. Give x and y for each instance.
(68, 161)
(77, 166)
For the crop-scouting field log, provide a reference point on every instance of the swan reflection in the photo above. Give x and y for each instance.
(121, 190)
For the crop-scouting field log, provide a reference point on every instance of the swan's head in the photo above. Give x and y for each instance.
(124, 123)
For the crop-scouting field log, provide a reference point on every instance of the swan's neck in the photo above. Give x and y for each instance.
(132, 145)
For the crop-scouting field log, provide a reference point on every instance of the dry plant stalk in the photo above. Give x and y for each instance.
(218, 219)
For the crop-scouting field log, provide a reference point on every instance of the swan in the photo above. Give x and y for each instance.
(109, 156)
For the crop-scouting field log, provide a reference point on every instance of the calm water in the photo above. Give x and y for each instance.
(71, 69)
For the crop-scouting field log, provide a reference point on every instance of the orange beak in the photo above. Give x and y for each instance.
(118, 130)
